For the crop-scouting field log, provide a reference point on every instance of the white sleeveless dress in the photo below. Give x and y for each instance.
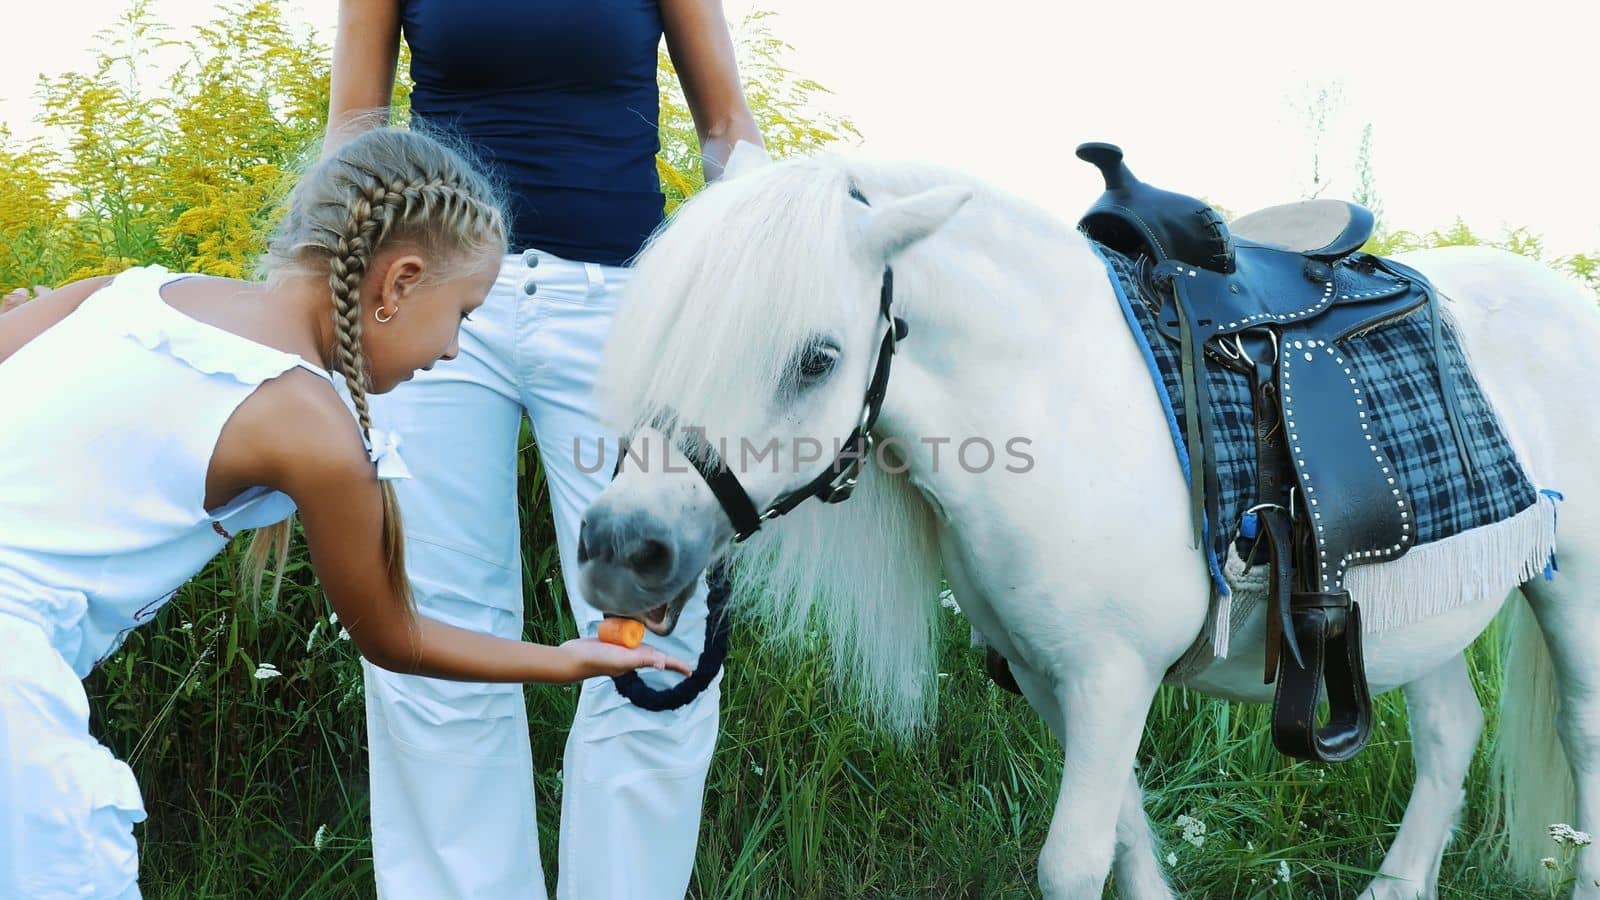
(108, 421)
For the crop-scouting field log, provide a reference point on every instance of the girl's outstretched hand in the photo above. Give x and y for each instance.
(594, 657)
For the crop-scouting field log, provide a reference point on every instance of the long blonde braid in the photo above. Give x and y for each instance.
(387, 185)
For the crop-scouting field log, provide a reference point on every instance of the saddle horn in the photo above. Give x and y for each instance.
(1108, 159)
(1134, 218)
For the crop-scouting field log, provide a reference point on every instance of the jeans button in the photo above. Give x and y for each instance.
(529, 287)
(530, 258)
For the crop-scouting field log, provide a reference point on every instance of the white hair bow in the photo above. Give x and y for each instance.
(385, 451)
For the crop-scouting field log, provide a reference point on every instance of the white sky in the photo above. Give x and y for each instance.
(1490, 111)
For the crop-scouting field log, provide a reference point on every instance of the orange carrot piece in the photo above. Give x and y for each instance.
(623, 632)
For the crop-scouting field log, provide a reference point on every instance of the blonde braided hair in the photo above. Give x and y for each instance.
(386, 186)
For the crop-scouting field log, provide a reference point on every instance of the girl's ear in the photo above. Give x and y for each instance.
(401, 275)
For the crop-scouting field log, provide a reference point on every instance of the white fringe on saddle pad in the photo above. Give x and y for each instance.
(1463, 569)
(1479, 564)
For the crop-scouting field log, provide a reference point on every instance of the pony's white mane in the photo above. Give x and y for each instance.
(720, 299)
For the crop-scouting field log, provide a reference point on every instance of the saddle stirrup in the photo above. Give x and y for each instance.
(1328, 625)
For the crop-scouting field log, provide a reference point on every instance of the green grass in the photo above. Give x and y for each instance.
(242, 775)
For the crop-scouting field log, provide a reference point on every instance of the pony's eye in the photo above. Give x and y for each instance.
(817, 361)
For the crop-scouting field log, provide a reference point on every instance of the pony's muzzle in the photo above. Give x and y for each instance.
(637, 543)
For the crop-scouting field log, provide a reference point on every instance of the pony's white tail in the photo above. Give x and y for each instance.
(1532, 781)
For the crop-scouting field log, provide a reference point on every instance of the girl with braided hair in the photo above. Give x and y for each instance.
(152, 416)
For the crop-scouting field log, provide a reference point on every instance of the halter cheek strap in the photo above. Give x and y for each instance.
(836, 482)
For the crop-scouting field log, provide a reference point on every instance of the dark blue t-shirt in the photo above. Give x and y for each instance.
(559, 97)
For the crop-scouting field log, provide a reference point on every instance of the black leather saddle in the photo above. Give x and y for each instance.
(1275, 305)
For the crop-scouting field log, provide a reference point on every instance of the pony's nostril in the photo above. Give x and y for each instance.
(650, 558)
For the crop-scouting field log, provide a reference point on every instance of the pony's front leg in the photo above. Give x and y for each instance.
(1137, 869)
(1104, 700)
(1136, 865)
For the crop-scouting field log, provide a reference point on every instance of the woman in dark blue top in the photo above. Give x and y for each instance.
(559, 98)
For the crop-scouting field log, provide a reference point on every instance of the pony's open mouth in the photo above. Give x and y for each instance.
(654, 619)
(662, 619)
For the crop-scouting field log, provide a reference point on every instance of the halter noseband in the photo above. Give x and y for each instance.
(833, 484)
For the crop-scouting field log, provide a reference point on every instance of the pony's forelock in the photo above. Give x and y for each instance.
(736, 242)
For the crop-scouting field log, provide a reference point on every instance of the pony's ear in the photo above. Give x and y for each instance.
(745, 156)
(895, 226)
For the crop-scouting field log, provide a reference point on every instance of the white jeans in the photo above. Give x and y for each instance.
(451, 770)
(67, 806)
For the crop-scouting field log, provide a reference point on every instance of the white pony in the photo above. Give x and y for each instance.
(754, 315)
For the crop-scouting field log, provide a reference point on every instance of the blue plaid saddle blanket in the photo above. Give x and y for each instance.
(1394, 364)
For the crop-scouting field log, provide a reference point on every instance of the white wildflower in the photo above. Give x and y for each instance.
(757, 770)
(267, 670)
(344, 634)
(1194, 830)
(947, 599)
(1281, 875)
(322, 835)
(187, 626)
(1549, 862)
(333, 618)
(1563, 834)
(312, 637)
(1172, 859)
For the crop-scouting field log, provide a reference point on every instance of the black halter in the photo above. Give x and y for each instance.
(833, 484)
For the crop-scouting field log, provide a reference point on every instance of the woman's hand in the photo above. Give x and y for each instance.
(702, 50)
(366, 47)
(593, 657)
